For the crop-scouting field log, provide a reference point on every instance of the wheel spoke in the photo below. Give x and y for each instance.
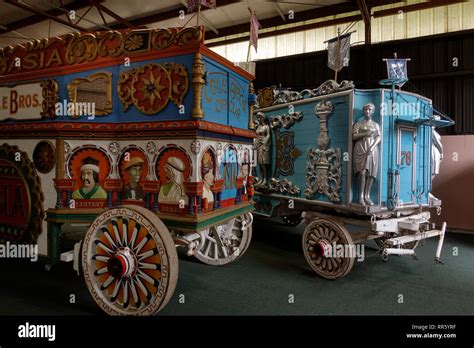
(141, 245)
(104, 247)
(147, 254)
(136, 229)
(125, 231)
(153, 266)
(109, 237)
(101, 271)
(147, 278)
(116, 232)
(133, 290)
(125, 294)
(107, 283)
(100, 258)
(143, 288)
(118, 284)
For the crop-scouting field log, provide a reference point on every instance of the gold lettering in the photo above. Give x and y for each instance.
(30, 61)
(55, 57)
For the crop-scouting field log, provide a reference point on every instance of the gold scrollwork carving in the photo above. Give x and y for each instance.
(114, 37)
(163, 38)
(124, 88)
(90, 89)
(83, 48)
(147, 87)
(50, 98)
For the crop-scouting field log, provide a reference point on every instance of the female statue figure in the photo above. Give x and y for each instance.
(366, 134)
(263, 144)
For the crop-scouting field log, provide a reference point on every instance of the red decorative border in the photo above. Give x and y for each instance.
(98, 130)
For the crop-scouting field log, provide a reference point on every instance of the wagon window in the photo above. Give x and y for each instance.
(230, 168)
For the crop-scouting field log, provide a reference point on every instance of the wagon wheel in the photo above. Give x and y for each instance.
(130, 262)
(292, 219)
(227, 242)
(319, 239)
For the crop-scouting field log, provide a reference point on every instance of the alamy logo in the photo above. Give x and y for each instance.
(23, 251)
(75, 109)
(37, 331)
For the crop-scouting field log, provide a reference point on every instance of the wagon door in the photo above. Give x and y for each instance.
(406, 164)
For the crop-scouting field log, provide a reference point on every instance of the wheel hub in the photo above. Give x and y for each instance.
(122, 264)
(323, 248)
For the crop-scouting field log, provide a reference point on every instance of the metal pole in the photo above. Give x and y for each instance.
(199, 14)
(338, 53)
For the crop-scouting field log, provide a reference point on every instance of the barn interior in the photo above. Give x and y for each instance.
(272, 278)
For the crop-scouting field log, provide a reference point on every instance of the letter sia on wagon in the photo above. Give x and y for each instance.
(144, 137)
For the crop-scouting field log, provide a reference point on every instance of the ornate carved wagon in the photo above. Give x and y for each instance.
(142, 135)
(338, 157)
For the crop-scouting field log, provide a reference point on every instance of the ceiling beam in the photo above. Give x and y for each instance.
(74, 6)
(365, 11)
(416, 7)
(276, 21)
(163, 16)
(112, 14)
(316, 25)
(45, 15)
(300, 16)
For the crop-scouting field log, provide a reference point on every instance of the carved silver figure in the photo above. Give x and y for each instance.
(263, 144)
(366, 135)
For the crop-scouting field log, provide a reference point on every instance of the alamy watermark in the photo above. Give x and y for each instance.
(356, 251)
(75, 109)
(401, 108)
(24, 251)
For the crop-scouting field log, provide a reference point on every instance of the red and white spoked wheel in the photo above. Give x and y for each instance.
(328, 248)
(224, 243)
(130, 262)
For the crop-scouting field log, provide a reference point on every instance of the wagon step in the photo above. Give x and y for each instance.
(397, 242)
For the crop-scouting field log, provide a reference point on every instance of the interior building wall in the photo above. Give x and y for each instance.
(455, 183)
(441, 68)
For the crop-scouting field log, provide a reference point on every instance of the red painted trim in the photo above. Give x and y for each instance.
(221, 60)
(52, 129)
(108, 62)
(102, 63)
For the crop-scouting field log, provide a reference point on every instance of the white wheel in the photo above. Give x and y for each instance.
(322, 242)
(227, 242)
(130, 262)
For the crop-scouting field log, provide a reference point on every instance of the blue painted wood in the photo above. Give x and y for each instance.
(403, 137)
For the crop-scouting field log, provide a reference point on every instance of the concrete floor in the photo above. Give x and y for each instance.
(261, 282)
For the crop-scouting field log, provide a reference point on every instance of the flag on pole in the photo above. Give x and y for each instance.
(254, 26)
(397, 69)
(339, 52)
(192, 5)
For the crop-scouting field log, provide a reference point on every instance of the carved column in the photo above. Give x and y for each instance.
(62, 185)
(194, 191)
(198, 83)
(151, 187)
(112, 186)
(217, 190)
(252, 101)
(59, 158)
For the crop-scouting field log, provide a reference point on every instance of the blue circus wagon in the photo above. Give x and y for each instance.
(146, 137)
(355, 164)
